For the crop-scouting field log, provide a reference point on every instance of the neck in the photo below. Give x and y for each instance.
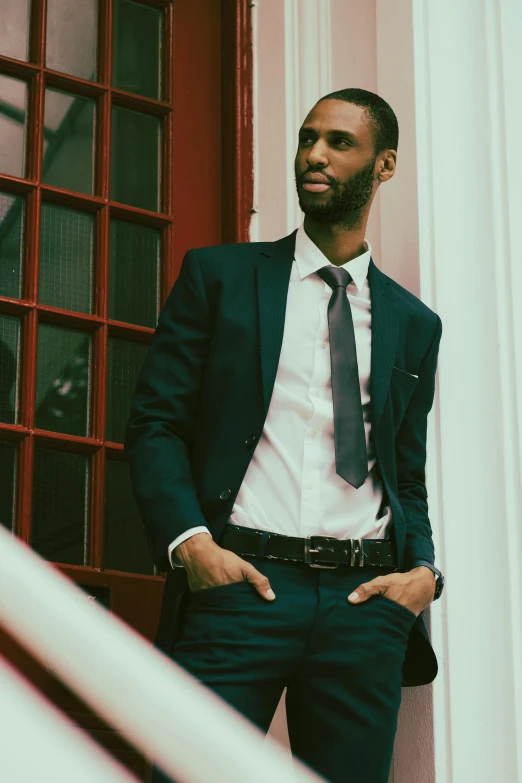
(338, 244)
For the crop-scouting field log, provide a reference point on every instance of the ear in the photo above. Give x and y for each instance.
(387, 165)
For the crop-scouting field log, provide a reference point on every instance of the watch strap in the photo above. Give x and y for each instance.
(438, 576)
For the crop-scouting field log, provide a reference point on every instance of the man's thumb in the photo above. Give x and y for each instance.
(261, 584)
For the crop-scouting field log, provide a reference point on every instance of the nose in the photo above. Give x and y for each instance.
(317, 154)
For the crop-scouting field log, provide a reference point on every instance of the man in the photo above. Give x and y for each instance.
(282, 409)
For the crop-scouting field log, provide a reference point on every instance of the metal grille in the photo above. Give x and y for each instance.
(66, 258)
(137, 48)
(125, 544)
(9, 368)
(135, 159)
(125, 362)
(11, 244)
(70, 45)
(63, 380)
(134, 262)
(7, 483)
(13, 117)
(59, 530)
(68, 160)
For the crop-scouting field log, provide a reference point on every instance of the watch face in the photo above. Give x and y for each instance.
(439, 586)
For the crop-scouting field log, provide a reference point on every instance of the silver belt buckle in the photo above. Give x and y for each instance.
(356, 552)
(308, 554)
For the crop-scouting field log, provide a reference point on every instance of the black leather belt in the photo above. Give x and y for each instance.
(316, 551)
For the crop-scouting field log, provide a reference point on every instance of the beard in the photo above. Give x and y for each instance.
(346, 202)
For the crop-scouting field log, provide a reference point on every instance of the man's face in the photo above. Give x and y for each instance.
(335, 163)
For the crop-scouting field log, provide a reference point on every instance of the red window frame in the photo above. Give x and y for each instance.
(207, 191)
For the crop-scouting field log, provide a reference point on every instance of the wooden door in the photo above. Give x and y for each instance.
(125, 139)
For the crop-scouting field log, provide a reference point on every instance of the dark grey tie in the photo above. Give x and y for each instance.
(351, 459)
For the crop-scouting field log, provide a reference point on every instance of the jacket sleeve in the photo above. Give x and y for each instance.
(163, 412)
(410, 455)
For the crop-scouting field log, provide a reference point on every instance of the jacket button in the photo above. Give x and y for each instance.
(250, 441)
(225, 494)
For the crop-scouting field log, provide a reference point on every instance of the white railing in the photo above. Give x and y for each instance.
(163, 711)
(38, 743)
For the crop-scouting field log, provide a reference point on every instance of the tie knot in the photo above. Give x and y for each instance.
(335, 276)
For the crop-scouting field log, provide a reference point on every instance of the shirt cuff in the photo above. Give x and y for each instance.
(174, 561)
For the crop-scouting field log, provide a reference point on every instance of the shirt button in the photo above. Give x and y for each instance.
(324, 345)
(310, 485)
(225, 494)
(313, 433)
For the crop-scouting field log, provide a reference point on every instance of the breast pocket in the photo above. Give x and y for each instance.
(404, 378)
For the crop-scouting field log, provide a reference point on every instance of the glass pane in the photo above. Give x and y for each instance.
(9, 368)
(7, 484)
(135, 158)
(137, 61)
(66, 258)
(134, 273)
(14, 30)
(71, 37)
(125, 361)
(69, 149)
(63, 381)
(13, 113)
(59, 527)
(125, 545)
(11, 244)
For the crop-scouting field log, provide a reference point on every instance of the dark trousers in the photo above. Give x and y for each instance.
(341, 663)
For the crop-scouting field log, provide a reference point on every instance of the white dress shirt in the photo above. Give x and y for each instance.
(291, 486)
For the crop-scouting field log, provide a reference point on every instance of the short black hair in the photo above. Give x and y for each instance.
(380, 115)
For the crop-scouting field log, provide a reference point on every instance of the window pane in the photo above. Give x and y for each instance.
(71, 37)
(14, 30)
(11, 244)
(134, 273)
(66, 258)
(59, 528)
(69, 134)
(125, 361)
(137, 61)
(135, 158)
(9, 368)
(125, 544)
(7, 484)
(63, 381)
(13, 118)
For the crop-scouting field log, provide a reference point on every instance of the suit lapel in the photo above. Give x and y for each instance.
(385, 332)
(273, 277)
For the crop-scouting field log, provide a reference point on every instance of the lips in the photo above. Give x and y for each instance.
(315, 183)
(315, 187)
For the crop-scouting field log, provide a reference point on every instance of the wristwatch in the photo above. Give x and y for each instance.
(439, 586)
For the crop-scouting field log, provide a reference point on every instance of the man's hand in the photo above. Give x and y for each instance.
(414, 589)
(209, 565)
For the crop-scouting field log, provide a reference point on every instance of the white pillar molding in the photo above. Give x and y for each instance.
(468, 114)
(292, 70)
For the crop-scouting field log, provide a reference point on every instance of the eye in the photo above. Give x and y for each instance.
(340, 142)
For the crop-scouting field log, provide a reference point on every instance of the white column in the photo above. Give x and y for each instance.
(292, 70)
(468, 112)
(413, 760)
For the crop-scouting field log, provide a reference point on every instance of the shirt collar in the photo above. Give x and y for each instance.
(309, 259)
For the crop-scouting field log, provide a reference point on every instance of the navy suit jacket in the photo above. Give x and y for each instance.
(203, 394)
